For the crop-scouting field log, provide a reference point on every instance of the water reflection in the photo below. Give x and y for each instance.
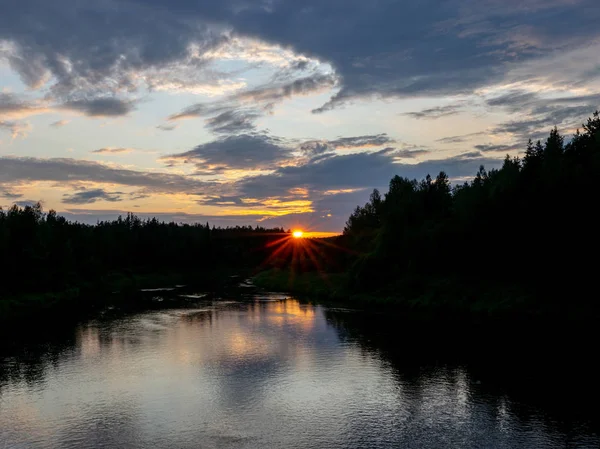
(263, 373)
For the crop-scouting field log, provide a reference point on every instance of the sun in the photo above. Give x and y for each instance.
(297, 234)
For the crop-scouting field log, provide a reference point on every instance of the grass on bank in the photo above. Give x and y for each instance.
(445, 296)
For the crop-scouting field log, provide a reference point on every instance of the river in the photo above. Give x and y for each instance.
(267, 372)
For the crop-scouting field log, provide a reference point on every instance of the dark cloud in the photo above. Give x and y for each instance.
(544, 118)
(101, 107)
(520, 101)
(542, 113)
(10, 103)
(20, 169)
(231, 116)
(318, 147)
(110, 150)
(25, 203)
(470, 155)
(246, 151)
(459, 139)
(301, 86)
(13, 108)
(221, 201)
(195, 110)
(354, 171)
(315, 147)
(138, 196)
(410, 154)
(232, 121)
(437, 112)
(222, 117)
(514, 100)
(376, 140)
(420, 48)
(91, 196)
(497, 148)
(337, 183)
(113, 42)
(6, 193)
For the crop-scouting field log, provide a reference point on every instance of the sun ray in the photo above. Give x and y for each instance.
(338, 247)
(316, 263)
(285, 243)
(278, 241)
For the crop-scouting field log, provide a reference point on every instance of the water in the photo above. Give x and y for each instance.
(268, 373)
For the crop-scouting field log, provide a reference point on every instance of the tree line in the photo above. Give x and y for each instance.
(530, 224)
(43, 252)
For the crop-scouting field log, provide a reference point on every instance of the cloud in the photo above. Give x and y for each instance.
(410, 154)
(504, 148)
(195, 110)
(166, 127)
(6, 193)
(543, 119)
(116, 49)
(101, 107)
(221, 200)
(459, 139)
(111, 150)
(22, 169)
(315, 147)
(437, 112)
(354, 171)
(273, 94)
(540, 112)
(59, 123)
(91, 196)
(376, 140)
(232, 121)
(318, 147)
(14, 108)
(420, 49)
(336, 183)
(425, 49)
(222, 117)
(16, 129)
(469, 155)
(520, 100)
(513, 100)
(233, 115)
(246, 151)
(25, 203)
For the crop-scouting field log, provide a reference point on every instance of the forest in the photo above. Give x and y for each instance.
(49, 261)
(522, 237)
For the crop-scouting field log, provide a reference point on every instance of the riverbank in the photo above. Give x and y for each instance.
(125, 290)
(427, 298)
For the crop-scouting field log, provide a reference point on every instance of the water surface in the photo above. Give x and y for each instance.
(262, 373)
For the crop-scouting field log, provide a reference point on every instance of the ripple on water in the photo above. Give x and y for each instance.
(268, 373)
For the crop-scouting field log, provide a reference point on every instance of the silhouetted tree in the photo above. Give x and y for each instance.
(530, 218)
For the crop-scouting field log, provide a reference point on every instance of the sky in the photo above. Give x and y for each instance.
(277, 112)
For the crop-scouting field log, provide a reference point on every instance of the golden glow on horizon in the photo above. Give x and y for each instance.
(318, 234)
(298, 234)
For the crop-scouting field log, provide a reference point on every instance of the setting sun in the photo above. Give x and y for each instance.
(298, 234)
